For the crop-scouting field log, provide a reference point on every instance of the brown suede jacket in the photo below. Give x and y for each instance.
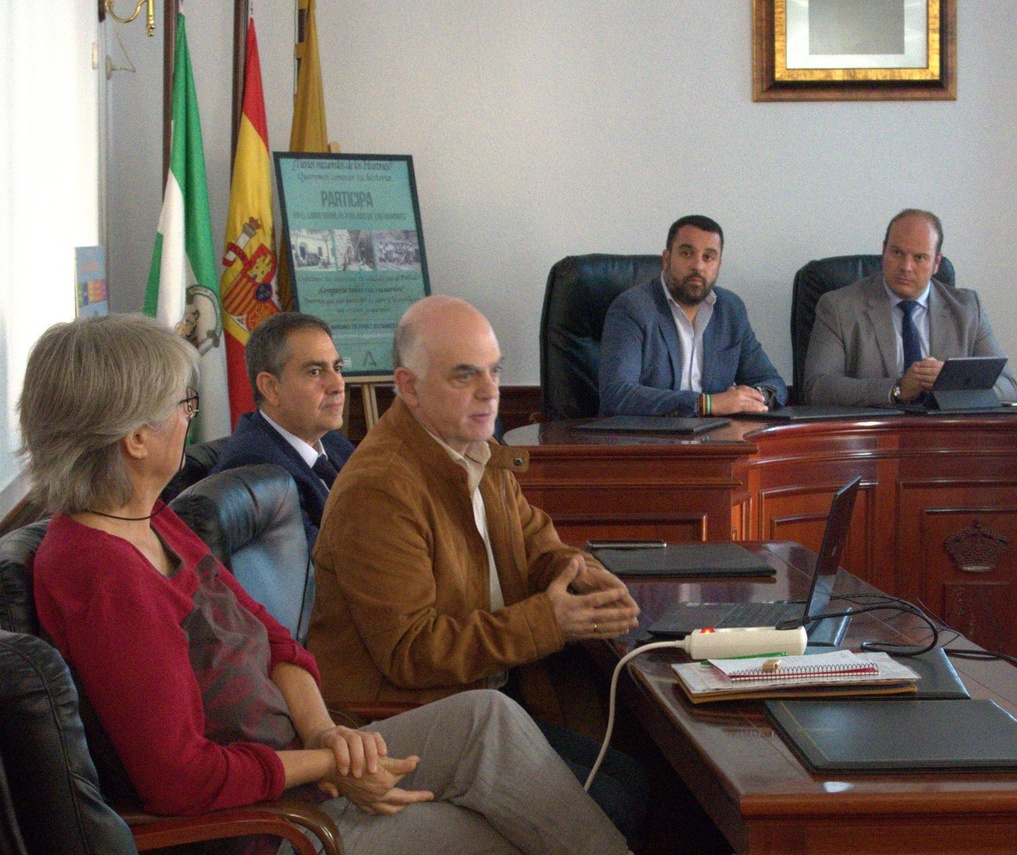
(402, 609)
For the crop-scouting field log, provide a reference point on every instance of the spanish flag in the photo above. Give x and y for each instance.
(248, 283)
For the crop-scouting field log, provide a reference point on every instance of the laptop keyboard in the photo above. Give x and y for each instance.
(761, 614)
(739, 614)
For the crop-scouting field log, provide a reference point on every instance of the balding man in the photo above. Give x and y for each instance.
(434, 574)
(882, 340)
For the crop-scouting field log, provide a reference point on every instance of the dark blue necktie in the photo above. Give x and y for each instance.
(909, 334)
(325, 470)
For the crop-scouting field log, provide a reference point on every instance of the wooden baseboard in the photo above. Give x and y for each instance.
(518, 406)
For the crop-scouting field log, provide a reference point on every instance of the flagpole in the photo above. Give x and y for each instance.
(169, 49)
(241, 12)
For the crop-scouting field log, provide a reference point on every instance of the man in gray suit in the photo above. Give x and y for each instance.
(881, 341)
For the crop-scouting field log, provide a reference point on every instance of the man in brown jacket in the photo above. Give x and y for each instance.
(434, 574)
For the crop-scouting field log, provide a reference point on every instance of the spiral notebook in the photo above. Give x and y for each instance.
(782, 668)
(839, 673)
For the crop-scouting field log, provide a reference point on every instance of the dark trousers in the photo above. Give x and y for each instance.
(621, 787)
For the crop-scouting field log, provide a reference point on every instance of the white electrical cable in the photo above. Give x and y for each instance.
(707, 644)
(611, 702)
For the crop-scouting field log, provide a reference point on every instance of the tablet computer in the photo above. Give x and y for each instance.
(964, 383)
(969, 372)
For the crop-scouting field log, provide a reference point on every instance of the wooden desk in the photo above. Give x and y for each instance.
(936, 518)
(751, 784)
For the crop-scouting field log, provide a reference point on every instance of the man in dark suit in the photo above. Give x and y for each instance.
(679, 346)
(296, 377)
(882, 340)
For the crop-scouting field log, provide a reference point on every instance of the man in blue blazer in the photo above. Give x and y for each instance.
(296, 377)
(680, 346)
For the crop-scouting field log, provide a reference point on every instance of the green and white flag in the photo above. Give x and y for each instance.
(183, 281)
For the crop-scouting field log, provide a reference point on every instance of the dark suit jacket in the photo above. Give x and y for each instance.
(852, 357)
(641, 357)
(255, 441)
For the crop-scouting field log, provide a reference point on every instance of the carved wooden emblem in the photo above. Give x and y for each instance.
(976, 549)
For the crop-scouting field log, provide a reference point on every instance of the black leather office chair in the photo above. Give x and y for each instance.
(51, 792)
(250, 518)
(198, 462)
(580, 288)
(51, 802)
(827, 274)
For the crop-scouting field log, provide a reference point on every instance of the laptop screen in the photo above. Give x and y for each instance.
(835, 537)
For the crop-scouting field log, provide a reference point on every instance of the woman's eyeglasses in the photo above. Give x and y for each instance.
(190, 403)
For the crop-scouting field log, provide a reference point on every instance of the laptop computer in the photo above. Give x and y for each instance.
(655, 424)
(683, 618)
(964, 384)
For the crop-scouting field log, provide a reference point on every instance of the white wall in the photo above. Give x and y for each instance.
(49, 187)
(543, 129)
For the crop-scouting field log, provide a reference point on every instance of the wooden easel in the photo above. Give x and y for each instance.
(369, 395)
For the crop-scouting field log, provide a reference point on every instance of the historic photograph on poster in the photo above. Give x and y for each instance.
(352, 229)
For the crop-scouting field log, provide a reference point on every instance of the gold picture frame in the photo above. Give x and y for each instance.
(905, 51)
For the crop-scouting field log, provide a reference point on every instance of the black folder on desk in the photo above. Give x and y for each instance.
(939, 678)
(821, 413)
(684, 559)
(897, 735)
(655, 424)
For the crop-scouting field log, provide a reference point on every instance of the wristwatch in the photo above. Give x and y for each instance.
(895, 395)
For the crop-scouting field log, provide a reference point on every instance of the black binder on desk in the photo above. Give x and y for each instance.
(684, 559)
(821, 413)
(939, 678)
(899, 735)
(655, 424)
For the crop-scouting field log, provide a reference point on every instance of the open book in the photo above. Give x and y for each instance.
(838, 673)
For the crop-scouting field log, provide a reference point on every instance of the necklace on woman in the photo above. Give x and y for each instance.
(126, 519)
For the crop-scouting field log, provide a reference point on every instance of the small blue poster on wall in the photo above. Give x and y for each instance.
(90, 296)
(352, 229)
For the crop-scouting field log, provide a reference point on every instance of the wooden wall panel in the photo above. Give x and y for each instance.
(924, 480)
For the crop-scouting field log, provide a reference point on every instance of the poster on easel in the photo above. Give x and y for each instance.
(351, 226)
